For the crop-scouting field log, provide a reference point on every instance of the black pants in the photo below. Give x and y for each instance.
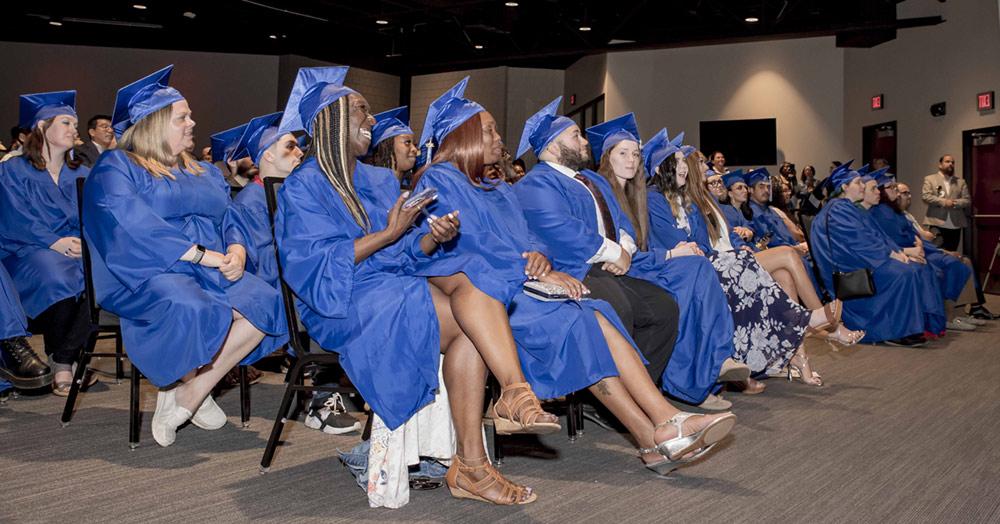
(948, 239)
(65, 326)
(647, 311)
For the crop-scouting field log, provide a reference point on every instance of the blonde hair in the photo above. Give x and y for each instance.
(331, 148)
(146, 144)
(699, 194)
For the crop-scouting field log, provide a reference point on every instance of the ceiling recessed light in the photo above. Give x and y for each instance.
(752, 19)
(584, 28)
(273, 37)
(138, 6)
(382, 21)
(511, 4)
(478, 46)
(189, 14)
(55, 23)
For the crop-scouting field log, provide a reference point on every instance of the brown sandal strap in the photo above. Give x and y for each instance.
(524, 408)
(509, 494)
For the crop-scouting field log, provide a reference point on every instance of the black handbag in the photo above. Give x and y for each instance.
(854, 284)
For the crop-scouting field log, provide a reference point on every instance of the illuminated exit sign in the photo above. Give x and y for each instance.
(985, 101)
(878, 102)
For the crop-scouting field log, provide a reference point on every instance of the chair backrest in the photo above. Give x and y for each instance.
(300, 342)
(807, 222)
(88, 275)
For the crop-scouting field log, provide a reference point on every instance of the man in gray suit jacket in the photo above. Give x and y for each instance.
(947, 198)
(102, 138)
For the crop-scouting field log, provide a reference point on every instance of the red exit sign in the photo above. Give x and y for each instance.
(985, 101)
(878, 102)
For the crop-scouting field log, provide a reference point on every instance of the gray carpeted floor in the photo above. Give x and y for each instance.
(897, 435)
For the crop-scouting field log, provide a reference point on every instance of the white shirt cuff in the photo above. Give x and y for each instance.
(627, 242)
(609, 252)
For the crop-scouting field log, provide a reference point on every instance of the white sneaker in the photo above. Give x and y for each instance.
(209, 415)
(958, 324)
(973, 320)
(715, 403)
(332, 418)
(167, 418)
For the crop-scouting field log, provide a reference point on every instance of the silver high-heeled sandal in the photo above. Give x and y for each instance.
(700, 442)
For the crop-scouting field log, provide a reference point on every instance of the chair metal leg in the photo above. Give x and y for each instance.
(133, 410)
(244, 397)
(494, 388)
(83, 360)
(571, 419)
(119, 359)
(295, 374)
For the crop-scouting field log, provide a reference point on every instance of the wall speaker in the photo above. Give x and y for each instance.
(938, 109)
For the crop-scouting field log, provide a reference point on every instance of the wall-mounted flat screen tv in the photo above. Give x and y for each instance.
(744, 142)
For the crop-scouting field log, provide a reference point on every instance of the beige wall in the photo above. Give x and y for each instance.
(510, 94)
(798, 82)
(950, 62)
(585, 79)
(381, 90)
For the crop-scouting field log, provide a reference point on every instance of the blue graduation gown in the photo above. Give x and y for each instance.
(12, 321)
(736, 219)
(560, 344)
(175, 315)
(34, 214)
(246, 223)
(951, 273)
(766, 221)
(562, 213)
(845, 240)
(382, 322)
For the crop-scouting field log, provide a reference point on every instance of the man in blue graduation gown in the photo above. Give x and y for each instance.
(584, 239)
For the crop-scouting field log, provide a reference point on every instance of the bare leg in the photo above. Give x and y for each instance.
(243, 338)
(635, 400)
(788, 259)
(465, 377)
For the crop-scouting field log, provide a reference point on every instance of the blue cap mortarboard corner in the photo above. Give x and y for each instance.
(314, 89)
(143, 98)
(656, 150)
(543, 127)
(42, 106)
(606, 135)
(258, 135)
(223, 144)
(445, 114)
(391, 123)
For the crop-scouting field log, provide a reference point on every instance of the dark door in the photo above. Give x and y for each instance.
(981, 168)
(879, 141)
(589, 114)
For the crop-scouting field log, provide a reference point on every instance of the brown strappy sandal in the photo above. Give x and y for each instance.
(523, 412)
(463, 487)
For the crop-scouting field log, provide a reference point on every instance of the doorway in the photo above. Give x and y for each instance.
(879, 141)
(981, 170)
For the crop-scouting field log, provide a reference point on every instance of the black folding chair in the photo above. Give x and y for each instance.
(107, 326)
(807, 222)
(307, 354)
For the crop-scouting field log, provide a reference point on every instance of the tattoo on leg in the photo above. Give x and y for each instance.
(602, 388)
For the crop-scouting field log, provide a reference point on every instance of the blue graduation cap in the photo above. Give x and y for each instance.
(143, 98)
(42, 106)
(543, 127)
(733, 177)
(883, 177)
(842, 175)
(444, 115)
(258, 135)
(388, 124)
(224, 144)
(656, 150)
(604, 136)
(314, 89)
(678, 142)
(761, 174)
(863, 170)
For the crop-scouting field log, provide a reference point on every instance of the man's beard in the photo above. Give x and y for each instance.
(573, 159)
(950, 170)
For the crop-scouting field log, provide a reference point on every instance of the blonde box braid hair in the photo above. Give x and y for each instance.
(330, 146)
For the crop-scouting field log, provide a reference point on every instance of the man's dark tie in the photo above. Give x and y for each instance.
(610, 230)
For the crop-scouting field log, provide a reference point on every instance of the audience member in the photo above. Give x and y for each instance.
(392, 144)
(19, 365)
(947, 198)
(102, 138)
(18, 136)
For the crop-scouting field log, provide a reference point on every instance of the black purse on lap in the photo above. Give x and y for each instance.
(851, 285)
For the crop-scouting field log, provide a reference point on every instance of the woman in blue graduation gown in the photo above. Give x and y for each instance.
(769, 326)
(953, 275)
(393, 144)
(550, 201)
(724, 188)
(845, 239)
(339, 229)
(564, 346)
(153, 221)
(40, 229)
(246, 221)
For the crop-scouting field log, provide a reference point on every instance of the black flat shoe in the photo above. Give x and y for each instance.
(982, 313)
(913, 341)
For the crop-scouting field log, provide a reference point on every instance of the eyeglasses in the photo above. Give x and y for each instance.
(714, 182)
(907, 193)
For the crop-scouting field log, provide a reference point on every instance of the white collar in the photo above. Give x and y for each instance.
(562, 169)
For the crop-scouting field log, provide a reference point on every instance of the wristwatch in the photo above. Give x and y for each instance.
(199, 253)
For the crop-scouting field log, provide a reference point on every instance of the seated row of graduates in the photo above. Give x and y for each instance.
(389, 288)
